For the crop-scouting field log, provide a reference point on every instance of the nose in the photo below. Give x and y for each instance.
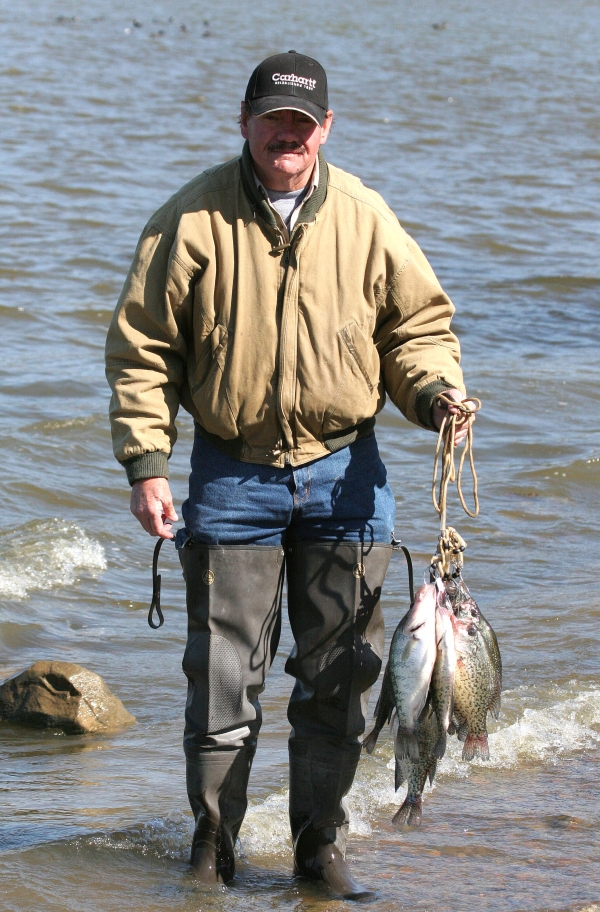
(289, 128)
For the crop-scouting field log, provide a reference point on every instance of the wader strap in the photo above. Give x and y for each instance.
(409, 565)
(156, 589)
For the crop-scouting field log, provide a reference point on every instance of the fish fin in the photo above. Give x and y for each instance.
(371, 740)
(439, 748)
(406, 745)
(495, 707)
(463, 731)
(398, 775)
(377, 705)
(452, 728)
(432, 771)
(476, 746)
(409, 814)
(427, 711)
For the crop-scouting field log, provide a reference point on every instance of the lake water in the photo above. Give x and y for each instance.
(479, 124)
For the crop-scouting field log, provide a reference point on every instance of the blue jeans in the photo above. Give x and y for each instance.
(341, 497)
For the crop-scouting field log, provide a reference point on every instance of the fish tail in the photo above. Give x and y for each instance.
(409, 814)
(407, 745)
(440, 747)
(371, 740)
(476, 746)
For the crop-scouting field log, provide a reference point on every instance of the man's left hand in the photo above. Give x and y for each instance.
(440, 409)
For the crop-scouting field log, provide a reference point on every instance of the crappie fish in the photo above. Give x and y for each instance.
(412, 657)
(442, 679)
(477, 682)
(416, 772)
(468, 608)
(413, 772)
(465, 607)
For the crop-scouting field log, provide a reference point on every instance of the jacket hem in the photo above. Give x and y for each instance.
(237, 449)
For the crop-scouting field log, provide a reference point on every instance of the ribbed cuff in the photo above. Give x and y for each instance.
(424, 401)
(146, 465)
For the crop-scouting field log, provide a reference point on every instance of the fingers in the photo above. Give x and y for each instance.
(462, 426)
(152, 506)
(460, 433)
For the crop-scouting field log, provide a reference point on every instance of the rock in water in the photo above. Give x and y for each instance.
(62, 695)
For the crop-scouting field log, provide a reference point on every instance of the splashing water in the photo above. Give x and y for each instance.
(44, 555)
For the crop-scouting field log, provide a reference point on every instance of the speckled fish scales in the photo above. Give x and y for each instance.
(477, 680)
(416, 772)
(411, 661)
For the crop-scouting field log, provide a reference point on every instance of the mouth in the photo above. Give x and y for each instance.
(285, 148)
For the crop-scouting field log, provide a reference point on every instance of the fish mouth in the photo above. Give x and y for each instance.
(418, 627)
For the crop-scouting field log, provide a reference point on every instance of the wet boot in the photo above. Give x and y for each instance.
(334, 606)
(321, 774)
(234, 622)
(216, 783)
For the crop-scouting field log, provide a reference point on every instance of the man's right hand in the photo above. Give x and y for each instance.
(152, 506)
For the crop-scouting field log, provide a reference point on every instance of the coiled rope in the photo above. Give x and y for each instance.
(451, 545)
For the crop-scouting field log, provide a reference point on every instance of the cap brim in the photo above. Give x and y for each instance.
(269, 103)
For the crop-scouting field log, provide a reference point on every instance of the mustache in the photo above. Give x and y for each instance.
(284, 146)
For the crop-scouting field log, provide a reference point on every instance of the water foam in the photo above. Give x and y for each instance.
(46, 554)
(569, 724)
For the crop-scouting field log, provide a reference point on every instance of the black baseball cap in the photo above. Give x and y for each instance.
(289, 82)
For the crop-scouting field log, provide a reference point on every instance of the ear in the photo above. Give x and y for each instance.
(244, 120)
(325, 129)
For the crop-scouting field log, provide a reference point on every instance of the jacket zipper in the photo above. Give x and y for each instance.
(293, 243)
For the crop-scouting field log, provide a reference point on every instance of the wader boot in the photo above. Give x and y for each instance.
(337, 621)
(234, 622)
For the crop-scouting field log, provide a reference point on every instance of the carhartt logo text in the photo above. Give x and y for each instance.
(292, 80)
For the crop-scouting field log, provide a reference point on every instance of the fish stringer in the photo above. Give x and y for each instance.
(448, 559)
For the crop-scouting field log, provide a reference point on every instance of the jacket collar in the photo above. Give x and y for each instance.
(260, 205)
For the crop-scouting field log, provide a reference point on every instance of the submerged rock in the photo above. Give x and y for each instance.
(62, 695)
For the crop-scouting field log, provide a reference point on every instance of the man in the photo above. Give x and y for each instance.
(278, 300)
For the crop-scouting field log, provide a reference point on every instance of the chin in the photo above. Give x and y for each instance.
(288, 165)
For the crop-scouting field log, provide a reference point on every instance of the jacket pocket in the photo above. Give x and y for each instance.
(349, 334)
(357, 391)
(209, 389)
(210, 356)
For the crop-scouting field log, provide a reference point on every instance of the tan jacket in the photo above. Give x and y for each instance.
(273, 346)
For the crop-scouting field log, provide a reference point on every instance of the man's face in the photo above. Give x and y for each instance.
(284, 146)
